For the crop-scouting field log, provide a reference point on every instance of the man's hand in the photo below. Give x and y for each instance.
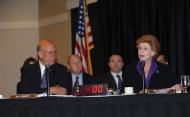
(58, 90)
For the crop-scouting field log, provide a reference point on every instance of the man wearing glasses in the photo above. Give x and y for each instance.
(34, 77)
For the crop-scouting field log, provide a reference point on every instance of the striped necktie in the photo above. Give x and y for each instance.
(76, 87)
(44, 80)
(119, 82)
(76, 82)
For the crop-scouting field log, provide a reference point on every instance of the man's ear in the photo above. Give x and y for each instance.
(109, 64)
(68, 67)
(40, 54)
(122, 64)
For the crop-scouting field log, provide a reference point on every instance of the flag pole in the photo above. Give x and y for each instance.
(87, 39)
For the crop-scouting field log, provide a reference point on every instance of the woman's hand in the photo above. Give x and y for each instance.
(177, 87)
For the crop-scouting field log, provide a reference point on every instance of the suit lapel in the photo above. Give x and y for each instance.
(112, 81)
(70, 81)
(38, 75)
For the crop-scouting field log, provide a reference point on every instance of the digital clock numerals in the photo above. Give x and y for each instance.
(95, 89)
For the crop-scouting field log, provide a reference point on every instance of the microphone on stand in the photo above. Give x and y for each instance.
(142, 64)
(47, 78)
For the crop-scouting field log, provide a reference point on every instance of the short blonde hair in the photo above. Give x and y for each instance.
(151, 40)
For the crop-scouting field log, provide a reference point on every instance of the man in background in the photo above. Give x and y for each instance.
(162, 59)
(76, 76)
(115, 77)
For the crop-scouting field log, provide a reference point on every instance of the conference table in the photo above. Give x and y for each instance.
(145, 105)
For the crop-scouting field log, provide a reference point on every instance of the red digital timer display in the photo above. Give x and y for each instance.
(94, 89)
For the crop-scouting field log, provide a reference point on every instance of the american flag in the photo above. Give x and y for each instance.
(84, 39)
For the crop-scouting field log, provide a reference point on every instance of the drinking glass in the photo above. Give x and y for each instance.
(185, 82)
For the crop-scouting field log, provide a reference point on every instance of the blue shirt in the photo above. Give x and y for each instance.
(80, 79)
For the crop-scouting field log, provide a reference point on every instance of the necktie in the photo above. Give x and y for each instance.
(76, 82)
(43, 80)
(119, 82)
(76, 87)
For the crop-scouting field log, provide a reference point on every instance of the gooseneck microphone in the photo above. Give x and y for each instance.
(47, 67)
(142, 64)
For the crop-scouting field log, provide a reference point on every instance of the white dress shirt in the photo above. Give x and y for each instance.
(80, 79)
(42, 68)
(115, 76)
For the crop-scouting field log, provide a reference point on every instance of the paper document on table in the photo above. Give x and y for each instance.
(161, 91)
(62, 96)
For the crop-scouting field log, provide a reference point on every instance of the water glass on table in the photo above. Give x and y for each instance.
(185, 82)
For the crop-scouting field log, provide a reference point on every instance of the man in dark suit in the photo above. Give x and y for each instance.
(33, 77)
(115, 77)
(76, 74)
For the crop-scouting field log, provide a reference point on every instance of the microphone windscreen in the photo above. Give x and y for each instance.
(142, 63)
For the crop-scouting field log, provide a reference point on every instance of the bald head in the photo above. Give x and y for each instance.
(43, 43)
(75, 64)
(47, 52)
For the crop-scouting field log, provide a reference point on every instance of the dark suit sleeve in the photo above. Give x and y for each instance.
(28, 83)
(132, 77)
(167, 74)
(108, 79)
(64, 80)
(23, 83)
(59, 75)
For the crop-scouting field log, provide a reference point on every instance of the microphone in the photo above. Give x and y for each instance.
(142, 64)
(47, 66)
